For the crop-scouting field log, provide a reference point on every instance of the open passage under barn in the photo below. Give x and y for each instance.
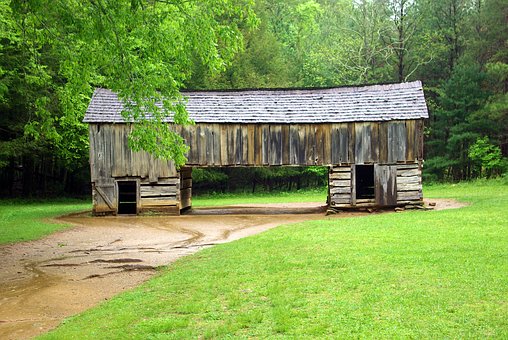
(370, 137)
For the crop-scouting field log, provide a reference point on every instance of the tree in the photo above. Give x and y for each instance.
(261, 64)
(486, 156)
(54, 55)
(368, 28)
(449, 18)
(452, 128)
(143, 50)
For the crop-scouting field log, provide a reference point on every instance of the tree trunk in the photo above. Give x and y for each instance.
(28, 174)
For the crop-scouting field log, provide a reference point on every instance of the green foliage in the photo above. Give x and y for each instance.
(457, 47)
(487, 157)
(452, 131)
(52, 57)
(318, 171)
(208, 176)
(415, 274)
(153, 45)
(498, 73)
(260, 65)
(257, 179)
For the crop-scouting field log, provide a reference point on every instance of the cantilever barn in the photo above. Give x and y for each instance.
(370, 137)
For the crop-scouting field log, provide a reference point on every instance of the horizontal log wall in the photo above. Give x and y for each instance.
(409, 184)
(161, 196)
(340, 186)
(164, 195)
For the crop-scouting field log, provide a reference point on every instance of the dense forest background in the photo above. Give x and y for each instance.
(48, 69)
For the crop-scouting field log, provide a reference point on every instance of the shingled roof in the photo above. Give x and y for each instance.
(331, 105)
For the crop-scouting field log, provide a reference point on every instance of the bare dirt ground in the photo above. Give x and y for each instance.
(44, 281)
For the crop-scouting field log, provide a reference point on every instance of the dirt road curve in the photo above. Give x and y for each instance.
(44, 281)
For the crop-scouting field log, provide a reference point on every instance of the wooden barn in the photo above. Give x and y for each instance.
(370, 137)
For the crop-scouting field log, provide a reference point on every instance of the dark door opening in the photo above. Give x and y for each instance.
(364, 182)
(127, 197)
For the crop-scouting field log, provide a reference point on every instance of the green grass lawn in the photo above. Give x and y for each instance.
(25, 220)
(305, 195)
(416, 274)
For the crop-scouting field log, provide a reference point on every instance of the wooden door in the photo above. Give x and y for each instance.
(385, 184)
(103, 195)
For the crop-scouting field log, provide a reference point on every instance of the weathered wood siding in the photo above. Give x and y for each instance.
(303, 144)
(340, 186)
(260, 144)
(385, 184)
(409, 183)
(185, 187)
(112, 160)
(394, 185)
(104, 197)
(110, 156)
(396, 147)
(164, 195)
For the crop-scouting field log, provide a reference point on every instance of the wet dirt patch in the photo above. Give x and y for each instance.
(444, 203)
(260, 209)
(44, 281)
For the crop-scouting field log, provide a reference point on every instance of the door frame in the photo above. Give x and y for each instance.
(138, 192)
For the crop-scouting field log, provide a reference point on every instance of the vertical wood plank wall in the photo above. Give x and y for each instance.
(339, 145)
(303, 144)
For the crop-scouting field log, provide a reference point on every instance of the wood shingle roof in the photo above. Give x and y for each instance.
(333, 105)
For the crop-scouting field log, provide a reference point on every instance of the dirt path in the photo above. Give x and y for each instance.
(44, 281)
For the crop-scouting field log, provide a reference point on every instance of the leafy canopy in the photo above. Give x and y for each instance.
(142, 49)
